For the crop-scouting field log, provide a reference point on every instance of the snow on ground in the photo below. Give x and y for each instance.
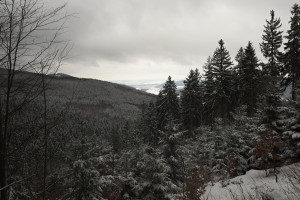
(287, 94)
(255, 185)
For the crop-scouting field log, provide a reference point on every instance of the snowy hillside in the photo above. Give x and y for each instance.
(101, 99)
(95, 98)
(255, 185)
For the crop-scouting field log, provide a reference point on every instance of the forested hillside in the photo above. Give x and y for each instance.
(94, 98)
(99, 98)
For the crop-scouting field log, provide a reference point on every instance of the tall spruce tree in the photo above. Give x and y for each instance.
(208, 90)
(191, 100)
(168, 107)
(272, 41)
(85, 181)
(292, 48)
(150, 123)
(237, 71)
(239, 58)
(250, 79)
(151, 174)
(171, 138)
(222, 83)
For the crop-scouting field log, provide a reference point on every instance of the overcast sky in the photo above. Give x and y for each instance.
(135, 40)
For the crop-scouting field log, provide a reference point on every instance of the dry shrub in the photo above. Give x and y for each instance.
(196, 181)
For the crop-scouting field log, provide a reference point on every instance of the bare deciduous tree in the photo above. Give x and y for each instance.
(30, 41)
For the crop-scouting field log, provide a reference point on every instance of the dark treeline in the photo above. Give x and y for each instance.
(231, 119)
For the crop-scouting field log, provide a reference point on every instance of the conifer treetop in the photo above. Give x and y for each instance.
(272, 41)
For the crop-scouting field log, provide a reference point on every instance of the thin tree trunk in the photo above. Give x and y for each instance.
(3, 193)
(45, 136)
(4, 134)
(10, 78)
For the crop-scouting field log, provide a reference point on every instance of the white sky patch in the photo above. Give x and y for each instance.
(142, 69)
(149, 40)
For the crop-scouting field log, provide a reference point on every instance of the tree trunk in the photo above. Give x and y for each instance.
(3, 158)
(3, 194)
(4, 134)
(45, 136)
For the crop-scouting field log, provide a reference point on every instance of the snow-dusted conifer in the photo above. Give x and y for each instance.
(84, 183)
(167, 104)
(292, 48)
(191, 100)
(151, 175)
(150, 130)
(272, 41)
(208, 90)
(237, 71)
(170, 144)
(221, 96)
(250, 79)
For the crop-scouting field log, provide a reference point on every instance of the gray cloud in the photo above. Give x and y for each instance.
(168, 36)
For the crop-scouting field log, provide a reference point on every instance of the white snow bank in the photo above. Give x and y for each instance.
(255, 185)
(287, 94)
(296, 136)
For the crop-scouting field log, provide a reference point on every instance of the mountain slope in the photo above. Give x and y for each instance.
(98, 98)
(94, 98)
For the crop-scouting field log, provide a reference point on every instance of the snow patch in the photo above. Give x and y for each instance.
(255, 185)
(287, 94)
(296, 136)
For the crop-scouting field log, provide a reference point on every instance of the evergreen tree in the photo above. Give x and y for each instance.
(272, 96)
(208, 90)
(85, 182)
(272, 41)
(222, 83)
(127, 136)
(150, 130)
(250, 79)
(289, 124)
(151, 175)
(292, 47)
(239, 58)
(160, 115)
(191, 100)
(171, 138)
(167, 103)
(115, 140)
(237, 71)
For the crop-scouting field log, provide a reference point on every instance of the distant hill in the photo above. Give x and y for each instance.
(101, 99)
(95, 98)
(61, 75)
